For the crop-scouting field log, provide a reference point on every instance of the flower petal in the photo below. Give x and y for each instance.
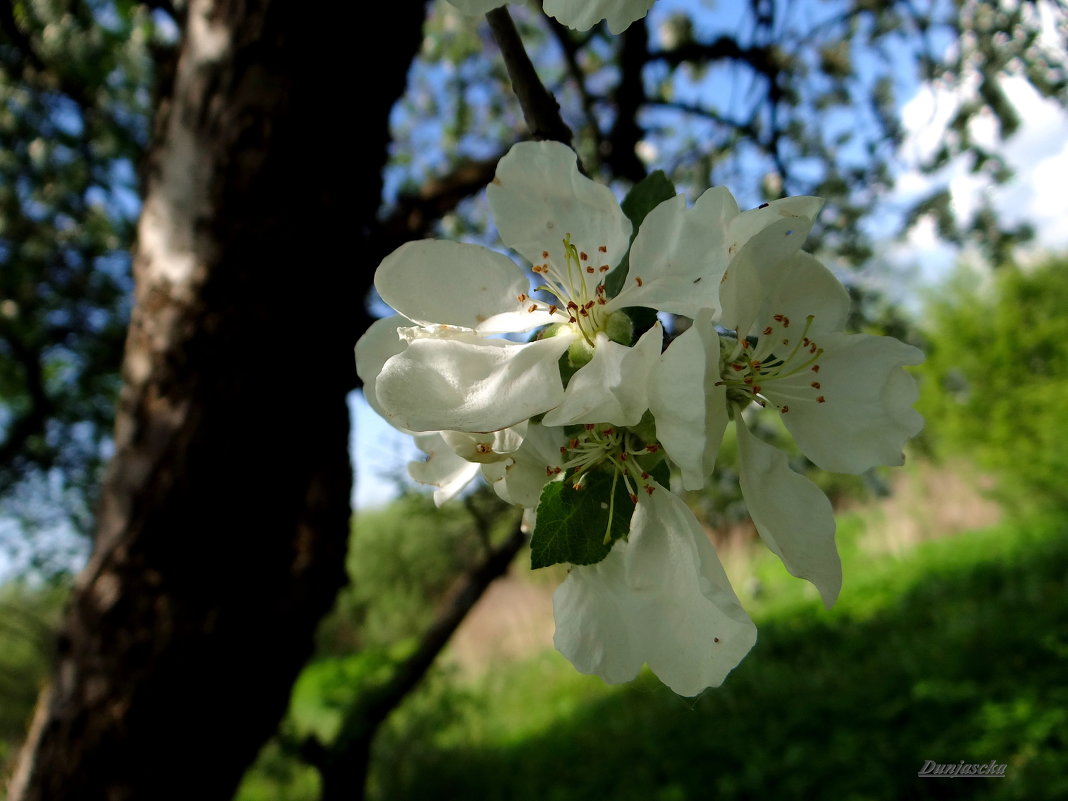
(614, 386)
(581, 15)
(538, 197)
(469, 383)
(476, 7)
(743, 227)
(792, 515)
(689, 408)
(754, 273)
(521, 479)
(679, 256)
(494, 446)
(806, 287)
(438, 281)
(660, 597)
(866, 415)
(379, 343)
(443, 469)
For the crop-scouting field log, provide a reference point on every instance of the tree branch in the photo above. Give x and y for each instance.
(540, 109)
(343, 764)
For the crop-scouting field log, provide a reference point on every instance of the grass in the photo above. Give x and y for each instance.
(957, 650)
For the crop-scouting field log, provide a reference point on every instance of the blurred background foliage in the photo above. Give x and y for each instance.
(945, 650)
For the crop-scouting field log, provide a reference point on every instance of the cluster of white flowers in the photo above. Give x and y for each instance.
(591, 399)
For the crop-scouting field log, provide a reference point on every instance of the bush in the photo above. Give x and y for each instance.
(997, 375)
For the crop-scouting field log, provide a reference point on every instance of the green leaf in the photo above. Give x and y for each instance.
(643, 197)
(571, 523)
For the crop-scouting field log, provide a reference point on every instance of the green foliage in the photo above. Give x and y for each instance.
(75, 83)
(997, 374)
(28, 619)
(580, 526)
(402, 558)
(957, 651)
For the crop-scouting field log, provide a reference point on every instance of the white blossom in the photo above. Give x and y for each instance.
(576, 14)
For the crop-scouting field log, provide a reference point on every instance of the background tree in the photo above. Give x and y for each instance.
(223, 520)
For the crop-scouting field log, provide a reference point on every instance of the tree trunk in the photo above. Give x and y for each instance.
(225, 511)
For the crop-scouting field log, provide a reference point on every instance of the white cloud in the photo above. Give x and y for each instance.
(1037, 153)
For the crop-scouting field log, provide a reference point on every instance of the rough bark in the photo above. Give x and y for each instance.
(225, 511)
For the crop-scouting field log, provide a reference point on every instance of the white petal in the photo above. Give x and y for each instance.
(792, 515)
(614, 386)
(469, 383)
(476, 7)
(660, 597)
(867, 413)
(378, 344)
(437, 281)
(689, 409)
(442, 469)
(521, 479)
(680, 256)
(494, 446)
(538, 197)
(581, 15)
(806, 287)
(754, 273)
(746, 225)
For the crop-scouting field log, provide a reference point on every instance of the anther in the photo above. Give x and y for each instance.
(815, 368)
(583, 256)
(633, 497)
(605, 268)
(652, 448)
(638, 280)
(649, 488)
(784, 409)
(521, 297)
(815, 384)
(821, 399)
(545, 254)
(552, 309)
(766, 331)
(590, 270)
(603, 248)
(533, 308)
(482, 447)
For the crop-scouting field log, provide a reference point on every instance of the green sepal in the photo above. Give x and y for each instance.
(571, 524)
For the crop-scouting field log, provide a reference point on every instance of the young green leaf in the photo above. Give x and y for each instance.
(572, 524)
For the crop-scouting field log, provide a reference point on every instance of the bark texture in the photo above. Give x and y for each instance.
(225, 511)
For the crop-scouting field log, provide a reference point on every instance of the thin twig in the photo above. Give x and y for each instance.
(540, 109)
